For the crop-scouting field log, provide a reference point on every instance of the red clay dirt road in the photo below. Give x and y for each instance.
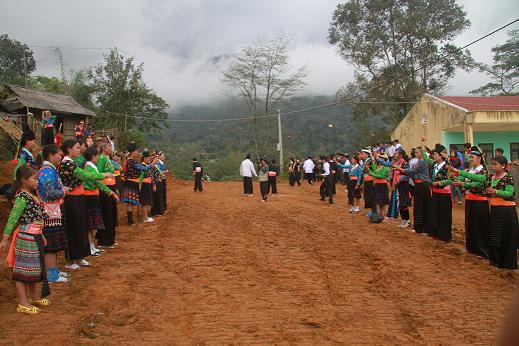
(221, 268)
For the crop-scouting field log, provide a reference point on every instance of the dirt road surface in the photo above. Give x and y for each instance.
(222, 268)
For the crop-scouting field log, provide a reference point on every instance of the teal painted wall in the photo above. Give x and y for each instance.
(498, 139)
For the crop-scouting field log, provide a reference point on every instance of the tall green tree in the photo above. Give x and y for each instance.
(81, 89)
(263, 78)
(48, 84)
(504, 72)
(397, 48)
(118, 87)
(16, 61)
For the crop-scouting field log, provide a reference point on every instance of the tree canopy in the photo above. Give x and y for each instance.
(504, 72)
(398, 48)
(16, 61)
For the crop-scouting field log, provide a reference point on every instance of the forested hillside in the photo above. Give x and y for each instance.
(221, 145)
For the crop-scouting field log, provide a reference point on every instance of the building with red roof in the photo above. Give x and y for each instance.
(488, 121)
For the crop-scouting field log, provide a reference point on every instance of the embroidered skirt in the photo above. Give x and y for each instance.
(381, 194)
(94, 215)
(145, 194)
(130, 192)
(54, 232)
(404, 197)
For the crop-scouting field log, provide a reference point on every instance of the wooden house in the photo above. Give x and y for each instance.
(23, 101)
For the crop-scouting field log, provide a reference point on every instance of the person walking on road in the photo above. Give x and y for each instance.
(247, 171)
(198, 172)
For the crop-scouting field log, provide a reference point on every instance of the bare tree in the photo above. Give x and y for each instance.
(263, 78)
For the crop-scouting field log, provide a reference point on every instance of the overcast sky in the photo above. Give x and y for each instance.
(177, 39)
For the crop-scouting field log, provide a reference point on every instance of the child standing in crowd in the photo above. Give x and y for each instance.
(365, 162)
(52, 193)
(354, 184)
(457, 164)
(26, 252)
(503, 243)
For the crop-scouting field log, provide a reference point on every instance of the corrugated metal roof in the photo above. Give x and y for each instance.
(484, 103)
(22, 97)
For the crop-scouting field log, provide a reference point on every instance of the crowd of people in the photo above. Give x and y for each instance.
(65, 200)
(390, 182)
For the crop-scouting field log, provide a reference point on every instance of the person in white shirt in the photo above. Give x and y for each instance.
(247, 171)
(391, 151)
(308, 167)
(326, 188)
(397, 145)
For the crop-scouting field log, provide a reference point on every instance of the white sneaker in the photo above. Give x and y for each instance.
(65, 275)
(84, 263)
(149, 220)
(72, 266)
(405, 224)
(352, 209)
(61, 279)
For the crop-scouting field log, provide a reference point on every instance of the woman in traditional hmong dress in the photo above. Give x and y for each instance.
(441, 200)
(477, 214)
(132, 182)
(76, 219)
(163, 175)
(367, 179)
(401, 186)
(158, 206)
(51, 192)
(48, 122)
(502, 250)
(147, 185)
(95, 220)
(354, 182)
(25, 156)
(27, 246)
(106, 238)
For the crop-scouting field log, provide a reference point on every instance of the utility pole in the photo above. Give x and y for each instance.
(280, 141)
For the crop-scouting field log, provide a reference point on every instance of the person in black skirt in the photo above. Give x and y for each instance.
(132, 183)
(441, 200)
(504, 237)
(381, 174)
(198, 173)
(367, 179)
(106, 238)
(158, 206)
(273, 177)
(401, 183)
(146, 187)
(419, 172)
(477, 213)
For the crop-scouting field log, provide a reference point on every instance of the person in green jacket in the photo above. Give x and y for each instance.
(380, 174)
(93, 206)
